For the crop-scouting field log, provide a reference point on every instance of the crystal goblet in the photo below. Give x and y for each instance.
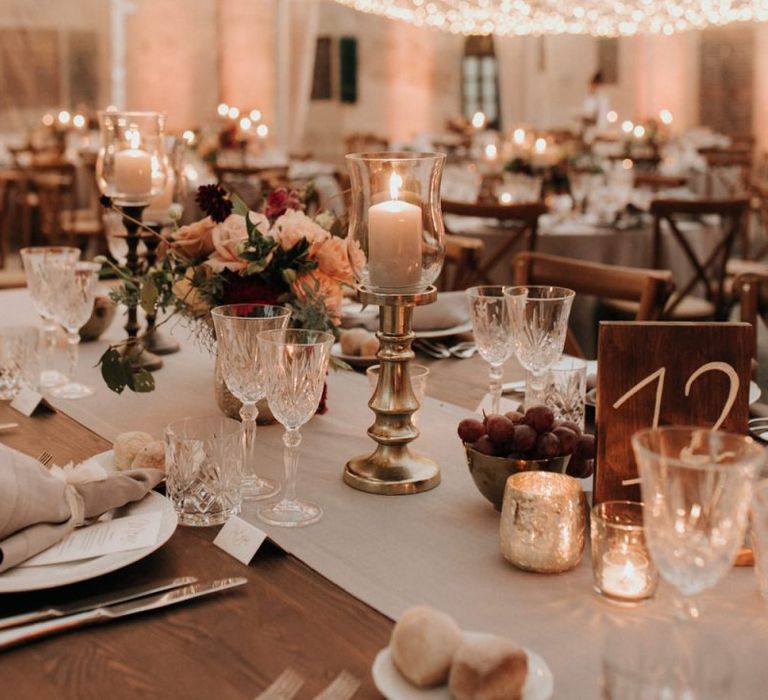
(237, 329)
(74, 288)
(38, 262)
(490, 324)
(298, 362)
(538, 319)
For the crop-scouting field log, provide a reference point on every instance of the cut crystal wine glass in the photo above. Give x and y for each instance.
(538, 319)
(237, 329)
(298, 362)
(490, 324)
(38, 261)
(74, 289)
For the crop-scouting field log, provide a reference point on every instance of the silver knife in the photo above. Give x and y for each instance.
(27, 633)
(97, 601)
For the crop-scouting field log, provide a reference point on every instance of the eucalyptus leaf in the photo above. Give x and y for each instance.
(141, 381)
(149, 295)
(113, 370)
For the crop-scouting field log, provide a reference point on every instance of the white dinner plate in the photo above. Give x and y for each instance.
(539, 685)
(445, 332)
(32, 578)
(353, 360)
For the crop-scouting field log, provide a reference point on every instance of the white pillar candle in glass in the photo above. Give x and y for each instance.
(133, 169)
(394, 241)
(158, 206)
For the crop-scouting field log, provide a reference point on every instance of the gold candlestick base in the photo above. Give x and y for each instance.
(392, 469)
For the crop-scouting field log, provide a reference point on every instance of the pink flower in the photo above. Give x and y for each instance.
(317, 283)
(229, 239)
(292, 226)
(281, 200)
(333, 260)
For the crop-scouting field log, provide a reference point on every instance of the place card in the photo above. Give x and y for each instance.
(240, 539)
(103, 537)
(28, 401)
(655, 374)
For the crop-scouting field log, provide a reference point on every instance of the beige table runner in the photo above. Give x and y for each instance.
(440, 547)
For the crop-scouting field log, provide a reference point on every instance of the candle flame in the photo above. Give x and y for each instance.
(541, 145)
(395, 183)
(519, 136)
(628, 570)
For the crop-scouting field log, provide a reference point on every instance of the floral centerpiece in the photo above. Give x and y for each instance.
(276, 255)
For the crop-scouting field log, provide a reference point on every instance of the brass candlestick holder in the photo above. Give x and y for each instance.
(392, 469)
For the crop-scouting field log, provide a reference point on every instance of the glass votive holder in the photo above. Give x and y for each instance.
(418, 374)
(622, 568)
(19, 359)
(543, 522)
(759, 519)
(563, 389)
(204, 469)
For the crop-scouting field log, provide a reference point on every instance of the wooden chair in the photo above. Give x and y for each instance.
(362, 142)
(709, 271)
(752, 290)
(523, 223)
(462, 259)
(248, 182)
(656, 181)
(648, 289)
(731, 168)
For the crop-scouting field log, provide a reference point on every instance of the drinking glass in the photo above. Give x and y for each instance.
(760, 535)
(74, 289)
(38, 262)
(298, 362)
(18, 359)
(237, 328)
(538, 319)
(563, 389)
(204, 459)
(490, 323)
(697, 486)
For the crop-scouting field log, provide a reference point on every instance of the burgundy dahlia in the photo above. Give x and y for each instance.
(213, 200)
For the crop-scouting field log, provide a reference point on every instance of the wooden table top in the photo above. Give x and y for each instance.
(233, 645)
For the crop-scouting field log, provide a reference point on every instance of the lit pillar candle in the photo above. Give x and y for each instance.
(394, 241)
(133, 169)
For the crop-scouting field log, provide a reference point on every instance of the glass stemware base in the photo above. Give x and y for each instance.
(290, 513)
(257, 488)
(72, 390)
(52, 377)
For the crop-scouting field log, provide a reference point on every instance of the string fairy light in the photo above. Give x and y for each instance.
(596, 17)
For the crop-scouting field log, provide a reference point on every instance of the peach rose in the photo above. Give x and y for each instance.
(356, 255)
(195, 241)
(322, 285)
(189, 295)
(333, 260)
(292, 226)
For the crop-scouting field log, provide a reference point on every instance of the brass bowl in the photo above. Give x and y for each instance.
(490, 473)
(101, 318)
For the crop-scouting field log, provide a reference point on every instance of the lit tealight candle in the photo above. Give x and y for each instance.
(540, 146)
(626, 574)
(627, 126)
(666, 116)
(394, 241)
(519, 137)
(478, 120)
(133, 168)
(612, 116)
(491, 152)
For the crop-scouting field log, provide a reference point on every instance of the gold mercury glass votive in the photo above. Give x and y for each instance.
(622, 567)
(543, 522)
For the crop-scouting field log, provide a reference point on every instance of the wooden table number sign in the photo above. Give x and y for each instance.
(655, 374)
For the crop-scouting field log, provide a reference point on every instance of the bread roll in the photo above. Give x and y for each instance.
(352, 339)
(488, 669)
(127, 446)
(422, 645)
(151, 456)
(370, 346)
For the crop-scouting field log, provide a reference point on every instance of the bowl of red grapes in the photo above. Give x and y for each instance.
(498, 446)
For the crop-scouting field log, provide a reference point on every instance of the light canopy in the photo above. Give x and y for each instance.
(596, 17)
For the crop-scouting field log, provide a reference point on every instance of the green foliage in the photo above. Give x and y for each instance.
(118, 373)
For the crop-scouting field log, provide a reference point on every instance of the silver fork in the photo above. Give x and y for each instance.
(463, 350)
(437, 350)
(285, 686)
(343, 687)
(45, 459)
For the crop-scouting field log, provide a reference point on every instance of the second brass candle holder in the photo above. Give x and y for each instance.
(392, 469)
